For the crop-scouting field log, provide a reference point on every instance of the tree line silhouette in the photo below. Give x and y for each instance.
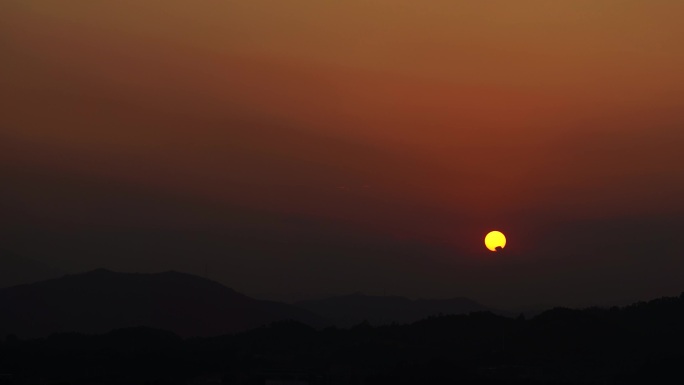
(637, 344)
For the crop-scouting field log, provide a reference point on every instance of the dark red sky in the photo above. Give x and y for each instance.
(307, 148)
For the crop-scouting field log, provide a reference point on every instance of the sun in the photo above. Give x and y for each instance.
(495, 241)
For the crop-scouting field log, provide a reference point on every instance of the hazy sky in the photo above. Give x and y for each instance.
(296, 149)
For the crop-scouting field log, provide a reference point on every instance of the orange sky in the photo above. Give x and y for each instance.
(431, 121)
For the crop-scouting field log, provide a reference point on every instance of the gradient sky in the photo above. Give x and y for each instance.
(297, 149)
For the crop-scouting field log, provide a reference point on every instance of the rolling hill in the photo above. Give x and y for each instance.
(102, 300)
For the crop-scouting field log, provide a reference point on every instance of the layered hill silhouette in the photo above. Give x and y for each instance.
(102, 300)
(353, 309)
(638, 344)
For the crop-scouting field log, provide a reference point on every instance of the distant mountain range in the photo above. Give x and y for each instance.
(16, 269)
(102, 300)
(634, 345)
(353, 309)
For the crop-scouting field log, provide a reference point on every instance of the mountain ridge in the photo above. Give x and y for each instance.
(101, 300)
(17, 269)
(351, 309)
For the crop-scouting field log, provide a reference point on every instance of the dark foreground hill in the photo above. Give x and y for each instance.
(101, 300)
(353, 309)
(636, 345)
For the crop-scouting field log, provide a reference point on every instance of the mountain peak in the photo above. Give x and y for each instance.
(101, 300)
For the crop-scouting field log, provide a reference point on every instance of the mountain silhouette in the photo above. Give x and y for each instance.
(636, 344)
(102, 300)
(16, 269)
(353, 309)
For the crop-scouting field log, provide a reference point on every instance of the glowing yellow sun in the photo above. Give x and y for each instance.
(495, 241)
